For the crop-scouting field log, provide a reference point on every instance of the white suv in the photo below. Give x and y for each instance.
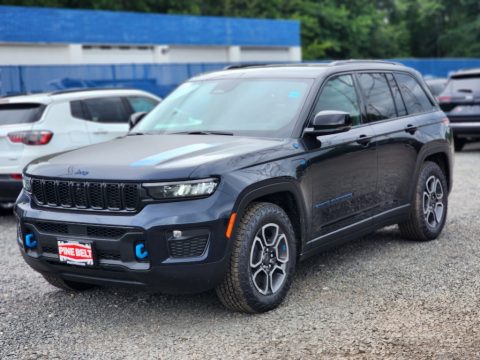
(32, 126)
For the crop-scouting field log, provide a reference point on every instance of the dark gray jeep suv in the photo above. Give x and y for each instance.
(237, 176)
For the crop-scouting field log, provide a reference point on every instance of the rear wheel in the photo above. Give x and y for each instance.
(67, 285)
(262, 262)
(429, 208)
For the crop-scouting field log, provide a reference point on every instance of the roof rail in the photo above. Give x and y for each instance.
(241, 66)
(365, 61)
(74, 90)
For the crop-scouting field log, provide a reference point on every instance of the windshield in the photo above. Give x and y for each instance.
(20, 113)
(249, 107)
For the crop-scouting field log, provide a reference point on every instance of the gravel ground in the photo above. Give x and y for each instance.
(379, 297)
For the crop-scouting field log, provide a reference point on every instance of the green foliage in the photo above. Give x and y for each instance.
(336, 29)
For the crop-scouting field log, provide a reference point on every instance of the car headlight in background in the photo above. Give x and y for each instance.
(27, 183)
(182, 189)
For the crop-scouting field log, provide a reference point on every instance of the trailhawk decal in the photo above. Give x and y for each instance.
(170, 154)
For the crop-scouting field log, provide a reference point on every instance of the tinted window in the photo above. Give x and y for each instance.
(416, 100)
(140, 104)
(397, 97)
(104, 110)
(339, 94)
(20, 113)
(378, 97)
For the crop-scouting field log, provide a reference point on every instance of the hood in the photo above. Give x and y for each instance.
(161, 157)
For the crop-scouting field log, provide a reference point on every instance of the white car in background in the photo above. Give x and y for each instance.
(32, 126)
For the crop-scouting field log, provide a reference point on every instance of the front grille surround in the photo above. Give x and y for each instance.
(87, 195)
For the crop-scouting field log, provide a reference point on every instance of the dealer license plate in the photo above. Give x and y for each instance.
(75, 253)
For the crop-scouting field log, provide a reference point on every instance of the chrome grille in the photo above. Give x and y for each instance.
(84, 195)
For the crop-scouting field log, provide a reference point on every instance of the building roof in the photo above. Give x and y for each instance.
(52, 25)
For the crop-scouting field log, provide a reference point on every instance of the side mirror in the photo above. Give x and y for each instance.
(135, 119)
(329, 122)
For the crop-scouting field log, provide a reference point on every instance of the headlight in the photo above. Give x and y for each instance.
(184, 189)
(27, 183)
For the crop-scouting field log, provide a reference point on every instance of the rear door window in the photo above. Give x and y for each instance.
(20, 113)
(378, 97)
(397, 97)
(102, 110)
(415, 98)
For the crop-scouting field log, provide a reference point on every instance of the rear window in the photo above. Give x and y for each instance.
(415, 98)
(465, 84)
(20, 113)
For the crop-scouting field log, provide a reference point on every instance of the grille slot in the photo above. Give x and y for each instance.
(192, 247)
(54, 228)
(105, 232)
(85, 195)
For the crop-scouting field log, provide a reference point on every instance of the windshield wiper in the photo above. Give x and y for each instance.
(201, 132)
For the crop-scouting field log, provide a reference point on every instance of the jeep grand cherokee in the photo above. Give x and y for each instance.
(237, 176)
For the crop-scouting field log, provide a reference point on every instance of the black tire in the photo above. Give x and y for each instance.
(67, 285)
(421, 225)
(238, 291)
(459, 143)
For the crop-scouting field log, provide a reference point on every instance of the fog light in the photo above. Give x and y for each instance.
(140, 252)
(30, 241)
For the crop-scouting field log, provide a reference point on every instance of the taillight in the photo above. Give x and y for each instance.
(16, 176)
(444, 99)
(38, 137)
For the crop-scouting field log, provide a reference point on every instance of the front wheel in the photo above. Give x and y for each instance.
(430, 204)
(262, 261)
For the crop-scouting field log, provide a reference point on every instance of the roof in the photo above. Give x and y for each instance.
(302, 70)
(53, 25)
(73, 94)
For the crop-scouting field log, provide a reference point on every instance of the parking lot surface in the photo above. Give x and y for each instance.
(379, 297)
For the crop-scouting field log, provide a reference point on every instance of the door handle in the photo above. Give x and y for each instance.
(411, 129)
(100, 132)
(364, 140)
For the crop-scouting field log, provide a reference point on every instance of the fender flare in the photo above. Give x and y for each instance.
(270, 187)
(438, 147)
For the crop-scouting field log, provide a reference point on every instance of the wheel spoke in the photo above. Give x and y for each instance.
(256, 253)
(430, 184)
(261, 280)
(281, 249)
(426, 202)
(438, 212)
(277, 276)
(268, 237)
(438, 190)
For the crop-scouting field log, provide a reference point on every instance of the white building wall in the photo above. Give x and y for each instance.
(52, 54)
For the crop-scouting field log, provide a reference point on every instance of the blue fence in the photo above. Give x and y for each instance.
(156, 78)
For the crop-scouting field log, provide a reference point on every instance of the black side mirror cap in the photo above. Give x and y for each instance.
(329, 122)
(135, 118)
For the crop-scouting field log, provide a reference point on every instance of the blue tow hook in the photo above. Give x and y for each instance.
(140, 251)
(30, 241)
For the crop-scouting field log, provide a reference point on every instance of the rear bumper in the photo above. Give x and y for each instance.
(466, 129)
(9, 190)
(174, 265)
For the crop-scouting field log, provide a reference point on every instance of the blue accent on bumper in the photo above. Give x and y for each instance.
(30, 241)
(140, 251)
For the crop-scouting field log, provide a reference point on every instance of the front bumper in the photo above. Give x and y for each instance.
(9, 190)
(194, 262)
